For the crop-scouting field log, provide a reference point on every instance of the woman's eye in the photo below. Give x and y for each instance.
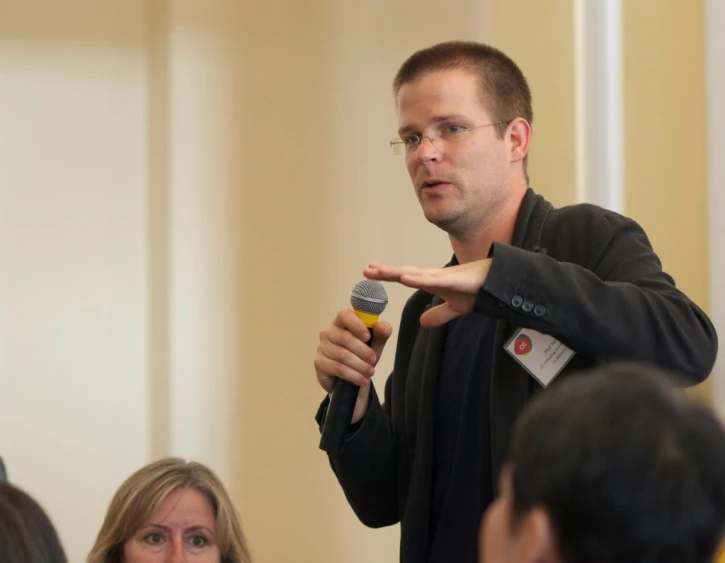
(154, 539)
(198, 541)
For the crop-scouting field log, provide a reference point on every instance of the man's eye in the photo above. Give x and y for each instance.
(454, 129)
(412, 140)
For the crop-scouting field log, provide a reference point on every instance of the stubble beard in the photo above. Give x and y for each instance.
(466, 221)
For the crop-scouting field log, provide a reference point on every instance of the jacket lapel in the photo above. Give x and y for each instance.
(420, 407)
(510, 383)
(423, 377)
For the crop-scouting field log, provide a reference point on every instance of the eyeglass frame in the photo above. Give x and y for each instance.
(395, 142)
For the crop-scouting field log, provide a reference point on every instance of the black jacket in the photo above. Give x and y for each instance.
(595, 284)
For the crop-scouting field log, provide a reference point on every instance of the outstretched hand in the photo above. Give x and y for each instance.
(456, 285)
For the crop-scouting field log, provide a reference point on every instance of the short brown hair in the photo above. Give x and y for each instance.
(138, 498)
(504, 89)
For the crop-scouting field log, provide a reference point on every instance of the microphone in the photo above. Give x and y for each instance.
(368, 300)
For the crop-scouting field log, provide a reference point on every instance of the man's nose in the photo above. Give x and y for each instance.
(427, 150)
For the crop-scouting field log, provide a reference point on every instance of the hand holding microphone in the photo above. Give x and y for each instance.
(349, 349)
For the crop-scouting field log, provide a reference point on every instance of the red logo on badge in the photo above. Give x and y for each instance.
(522, 346)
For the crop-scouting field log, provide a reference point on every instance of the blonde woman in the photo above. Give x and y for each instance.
(171, 510)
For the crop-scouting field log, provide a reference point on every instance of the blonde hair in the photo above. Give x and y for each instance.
(138, 498)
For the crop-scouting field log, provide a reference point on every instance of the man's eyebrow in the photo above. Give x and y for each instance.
(436, 119)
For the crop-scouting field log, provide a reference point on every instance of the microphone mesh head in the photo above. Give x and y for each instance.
(370, 297)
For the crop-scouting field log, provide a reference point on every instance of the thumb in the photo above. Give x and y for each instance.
(381, 333)
(438, 315)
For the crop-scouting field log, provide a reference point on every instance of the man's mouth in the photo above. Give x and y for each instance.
(433, 183)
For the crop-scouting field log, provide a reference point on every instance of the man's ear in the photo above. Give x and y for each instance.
(520, 137)
(536, 540)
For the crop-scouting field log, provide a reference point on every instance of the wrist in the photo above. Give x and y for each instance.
(361, 405)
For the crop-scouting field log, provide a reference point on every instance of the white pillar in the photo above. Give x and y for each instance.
(203, 215)
(600, 151)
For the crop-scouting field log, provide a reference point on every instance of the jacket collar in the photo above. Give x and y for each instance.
(529, 220)
(529, 223)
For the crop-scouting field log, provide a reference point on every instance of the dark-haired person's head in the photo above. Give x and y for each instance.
(26, 533)
(614, 465)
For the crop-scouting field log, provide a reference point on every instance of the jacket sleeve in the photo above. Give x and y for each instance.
(365, 466)
(616, 304)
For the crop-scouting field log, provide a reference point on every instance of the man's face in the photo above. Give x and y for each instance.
(531, 540)
(461, 180)
(495, 540)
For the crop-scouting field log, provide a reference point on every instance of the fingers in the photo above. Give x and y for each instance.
(329, 369)
(431, 281)
(343, 352)
(439, 315)
(381, 333)
(383, 272)
(347, 320)
(464, 278)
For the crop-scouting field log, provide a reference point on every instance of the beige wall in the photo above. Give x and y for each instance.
(665, 136)
(73, 291)
(539, 36)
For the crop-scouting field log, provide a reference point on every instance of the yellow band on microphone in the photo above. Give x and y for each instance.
(368, 318)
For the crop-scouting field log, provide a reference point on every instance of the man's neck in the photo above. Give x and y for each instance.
(500, 228)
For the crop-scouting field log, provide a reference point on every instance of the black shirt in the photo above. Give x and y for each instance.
(462, 483)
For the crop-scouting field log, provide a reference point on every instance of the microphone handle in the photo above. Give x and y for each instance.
(339, 413)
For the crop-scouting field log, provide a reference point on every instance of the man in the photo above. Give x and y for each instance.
(610, 466)
(583, 282)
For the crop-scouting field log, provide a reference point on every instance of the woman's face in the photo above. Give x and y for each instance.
(182, 530)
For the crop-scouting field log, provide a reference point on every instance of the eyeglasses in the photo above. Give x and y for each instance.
(448, 134)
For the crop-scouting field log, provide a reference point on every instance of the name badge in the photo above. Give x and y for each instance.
(543, 356)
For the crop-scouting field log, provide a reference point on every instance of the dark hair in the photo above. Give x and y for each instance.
(26, 533)
(504, 90)
(628, 467)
